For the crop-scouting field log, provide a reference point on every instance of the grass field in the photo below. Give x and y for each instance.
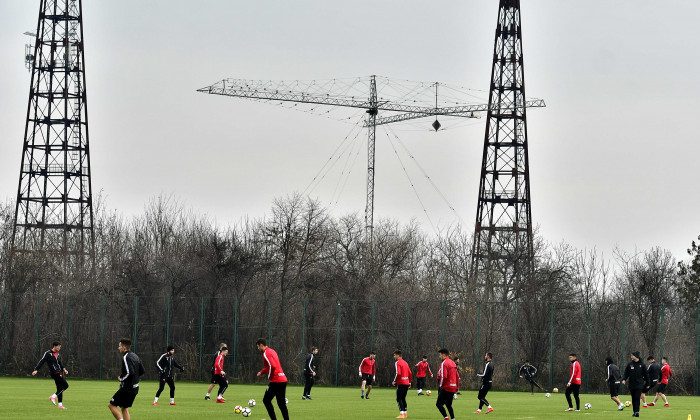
(27, 398)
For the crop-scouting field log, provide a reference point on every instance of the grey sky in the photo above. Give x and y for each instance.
(613, 158)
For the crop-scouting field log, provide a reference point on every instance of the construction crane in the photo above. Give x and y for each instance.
(400, 100)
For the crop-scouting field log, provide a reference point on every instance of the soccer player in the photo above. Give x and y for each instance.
(165, 370)
(654, 377)
(132, 368)
(613, 381)
(574, 384)
(309, 373)
(220, 375)
(447, 384)
(368, 371)
(402, 381)
(459, 366)
(213, 379)
(528, 372)
(423, 367)
(486, 381)
(666, 374)
(278, 381)
(638, 377)
(52, 358)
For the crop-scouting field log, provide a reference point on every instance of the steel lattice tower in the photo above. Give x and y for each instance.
(54, 215)
(503, 241)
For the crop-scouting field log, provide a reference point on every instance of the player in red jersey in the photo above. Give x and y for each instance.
(402, 381)
(220, 375)
(368, 371)
(278, 381)
(421, 372)
(666, 374)
(213, 378)
(447, 384)
(574, 384)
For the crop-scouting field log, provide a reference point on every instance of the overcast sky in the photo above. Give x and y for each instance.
(613, 158)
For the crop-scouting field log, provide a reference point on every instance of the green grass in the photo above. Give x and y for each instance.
(27, 398)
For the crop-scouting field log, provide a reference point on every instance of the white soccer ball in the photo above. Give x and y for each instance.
(246, 412)
(587, 406)
(286, 400)
(548, 395)
(251, 402)
(454, 396)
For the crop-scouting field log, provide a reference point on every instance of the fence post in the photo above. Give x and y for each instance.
(697, 348)
(337, 344)
(478, 338)
(515, 342)
(444, 313)
(269, 322)
(303, 339)
(102, 335)
(70, 324)
(201, 334)
(38, 325)
(5, 344)
(371, 332)
(136, 320)
(661, 349)
(235, 335)
(624, 332)
(408, 324)
(588, 344)
(167, 321)
(551, 345)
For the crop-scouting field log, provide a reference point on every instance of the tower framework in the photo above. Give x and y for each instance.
(54, 213)
(503, 239)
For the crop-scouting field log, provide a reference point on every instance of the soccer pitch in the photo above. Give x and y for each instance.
(28, 398)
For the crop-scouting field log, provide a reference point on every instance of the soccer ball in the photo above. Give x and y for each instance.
(587, 406)
(628, 403)
(286, 400)
(246, 412)
(237, 409)
(251, 402)
(548, 395)
(555, 389)
(454, 397)
(428, 392)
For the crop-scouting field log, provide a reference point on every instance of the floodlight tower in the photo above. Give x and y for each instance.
(503, 240)
(53, 223)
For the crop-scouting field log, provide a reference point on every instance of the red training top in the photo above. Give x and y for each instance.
(448, 378)
(422, 367)
(273, 368)
(219, 364)
(368, 366)
(575, 373)
(403, 373)
(666, 374)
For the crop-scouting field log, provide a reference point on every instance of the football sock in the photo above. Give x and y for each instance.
(53, 396)
(155, 400)
(172, 400)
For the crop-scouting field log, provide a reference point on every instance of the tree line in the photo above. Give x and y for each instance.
(299, 272)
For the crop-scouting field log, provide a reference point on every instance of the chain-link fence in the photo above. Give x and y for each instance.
(89, 327)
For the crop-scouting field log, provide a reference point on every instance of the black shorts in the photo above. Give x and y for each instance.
(650, 389)
(444, 397)
(123, 398)
(367, 377)
(614, 389)
(213, 378)
(661, 388)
